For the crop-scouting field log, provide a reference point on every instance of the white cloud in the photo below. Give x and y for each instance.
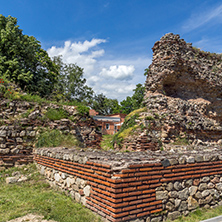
(79, 53)
(117, 90)
(205, 16)
(120, 72)
(115, 78)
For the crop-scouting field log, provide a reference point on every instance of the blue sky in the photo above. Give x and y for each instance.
(112, 39)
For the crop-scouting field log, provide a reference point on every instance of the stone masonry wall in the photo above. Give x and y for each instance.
(184, 88)
(21, 122)
(183, 97)
(138, 186)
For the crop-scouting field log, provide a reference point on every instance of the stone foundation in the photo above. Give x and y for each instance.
(144, 186)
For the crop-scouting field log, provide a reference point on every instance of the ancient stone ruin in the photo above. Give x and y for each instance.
(184, 87)
(181, 123)
(183, 98)
(179, 132)
(21, 123)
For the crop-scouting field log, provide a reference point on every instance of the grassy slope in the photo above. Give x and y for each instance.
(36, 196)
(200, 214)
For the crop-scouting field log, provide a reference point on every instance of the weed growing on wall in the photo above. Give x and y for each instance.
(181, 141)
(56, 114)
(83, 110)
(128, 126)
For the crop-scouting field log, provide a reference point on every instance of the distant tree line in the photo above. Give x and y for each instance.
(24, 62)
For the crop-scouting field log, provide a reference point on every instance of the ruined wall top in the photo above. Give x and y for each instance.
(180, 70)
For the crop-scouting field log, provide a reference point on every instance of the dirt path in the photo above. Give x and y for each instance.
(31, 218)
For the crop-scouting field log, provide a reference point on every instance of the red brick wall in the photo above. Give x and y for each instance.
(130, 193)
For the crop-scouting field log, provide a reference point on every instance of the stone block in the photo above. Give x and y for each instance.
(192, 203)
(4, 151)
(3, 133)
(87, 190)
(161, 195)
(183, 194)
(219, 186)
(174, 215)
(157, 219)
(183, 206)
(192, 190)
(11, 180)
(57, 177)
(77, 197)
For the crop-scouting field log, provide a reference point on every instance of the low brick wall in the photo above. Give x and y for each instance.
(143, 186)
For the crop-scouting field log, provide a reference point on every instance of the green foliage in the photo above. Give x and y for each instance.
(26, 114)
(136, 112)
(127, 105)
(54, 138)
(83, 110)
(37, 197)
(149, 118)
(34, 98)
(146, 72)
(127, 132)
(104, 106)
(56, 114)
(23, 61)
(71, 85)
(126, 129)
(134, 102)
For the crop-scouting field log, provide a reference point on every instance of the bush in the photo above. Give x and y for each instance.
(54, 138)
(83, 110)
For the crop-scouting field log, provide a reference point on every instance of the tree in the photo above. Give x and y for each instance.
(127, 105)
(23, 61)
(138, 96)
(105, 106)
(134, 102)
(71, 84)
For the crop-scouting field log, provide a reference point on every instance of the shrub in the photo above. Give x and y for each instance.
(83, 110)
(54, 138)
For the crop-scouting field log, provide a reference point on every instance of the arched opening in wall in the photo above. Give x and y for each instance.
(186, 87)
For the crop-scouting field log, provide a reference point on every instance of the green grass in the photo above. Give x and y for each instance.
(54, 138)
(200, 214)
(181, 141)
(56, 114)
(36, 196)
(107, 142)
